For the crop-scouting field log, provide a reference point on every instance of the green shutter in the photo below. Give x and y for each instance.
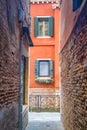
(35, 26)
(50, 26)
(76, 4)
(36, 68)
(51, 68)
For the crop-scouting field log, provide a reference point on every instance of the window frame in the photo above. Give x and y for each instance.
(48, 68)
(76, 4)
(43, 21)
(51, 68)
(51, 29)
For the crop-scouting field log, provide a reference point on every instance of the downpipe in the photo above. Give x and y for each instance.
(21, 83)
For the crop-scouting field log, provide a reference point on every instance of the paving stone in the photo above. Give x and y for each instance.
(44, 121)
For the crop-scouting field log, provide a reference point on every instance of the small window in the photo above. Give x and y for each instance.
(43, 68)
(76, 4)
(43, 26)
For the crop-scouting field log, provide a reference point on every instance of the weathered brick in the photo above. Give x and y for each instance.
(10, 31)
(74, 76)
(9, 68)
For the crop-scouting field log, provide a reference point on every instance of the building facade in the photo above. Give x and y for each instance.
(73, 56)
(13, 67)
(45, 17)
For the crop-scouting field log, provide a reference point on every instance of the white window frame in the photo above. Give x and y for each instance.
(43, 36)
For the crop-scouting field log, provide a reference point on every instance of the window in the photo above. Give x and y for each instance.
(43, 26)
(43, 68)
(76, 4)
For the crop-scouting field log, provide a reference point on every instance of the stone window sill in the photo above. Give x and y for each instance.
(45, 80)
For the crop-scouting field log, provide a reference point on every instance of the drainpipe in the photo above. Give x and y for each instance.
(21, 74)
(21, 78)
(21, 82)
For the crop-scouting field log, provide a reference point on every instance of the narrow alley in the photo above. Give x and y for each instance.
(43, 64)
(44, 121)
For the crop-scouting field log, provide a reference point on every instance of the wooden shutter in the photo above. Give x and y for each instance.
(36, 68)
(76, 4)
(35, 26)
(50, 26)
(51, 68)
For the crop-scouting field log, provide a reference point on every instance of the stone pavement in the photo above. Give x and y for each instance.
(44, 121)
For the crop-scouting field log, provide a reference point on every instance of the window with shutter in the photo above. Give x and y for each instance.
(43, 68)
(76, 4)
(43, 26)
(44, 71)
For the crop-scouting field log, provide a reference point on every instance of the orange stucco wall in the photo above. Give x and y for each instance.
(39, 52)
(45, 47)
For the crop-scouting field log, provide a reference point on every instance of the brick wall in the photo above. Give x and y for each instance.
(74, 76)
(9, 65)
